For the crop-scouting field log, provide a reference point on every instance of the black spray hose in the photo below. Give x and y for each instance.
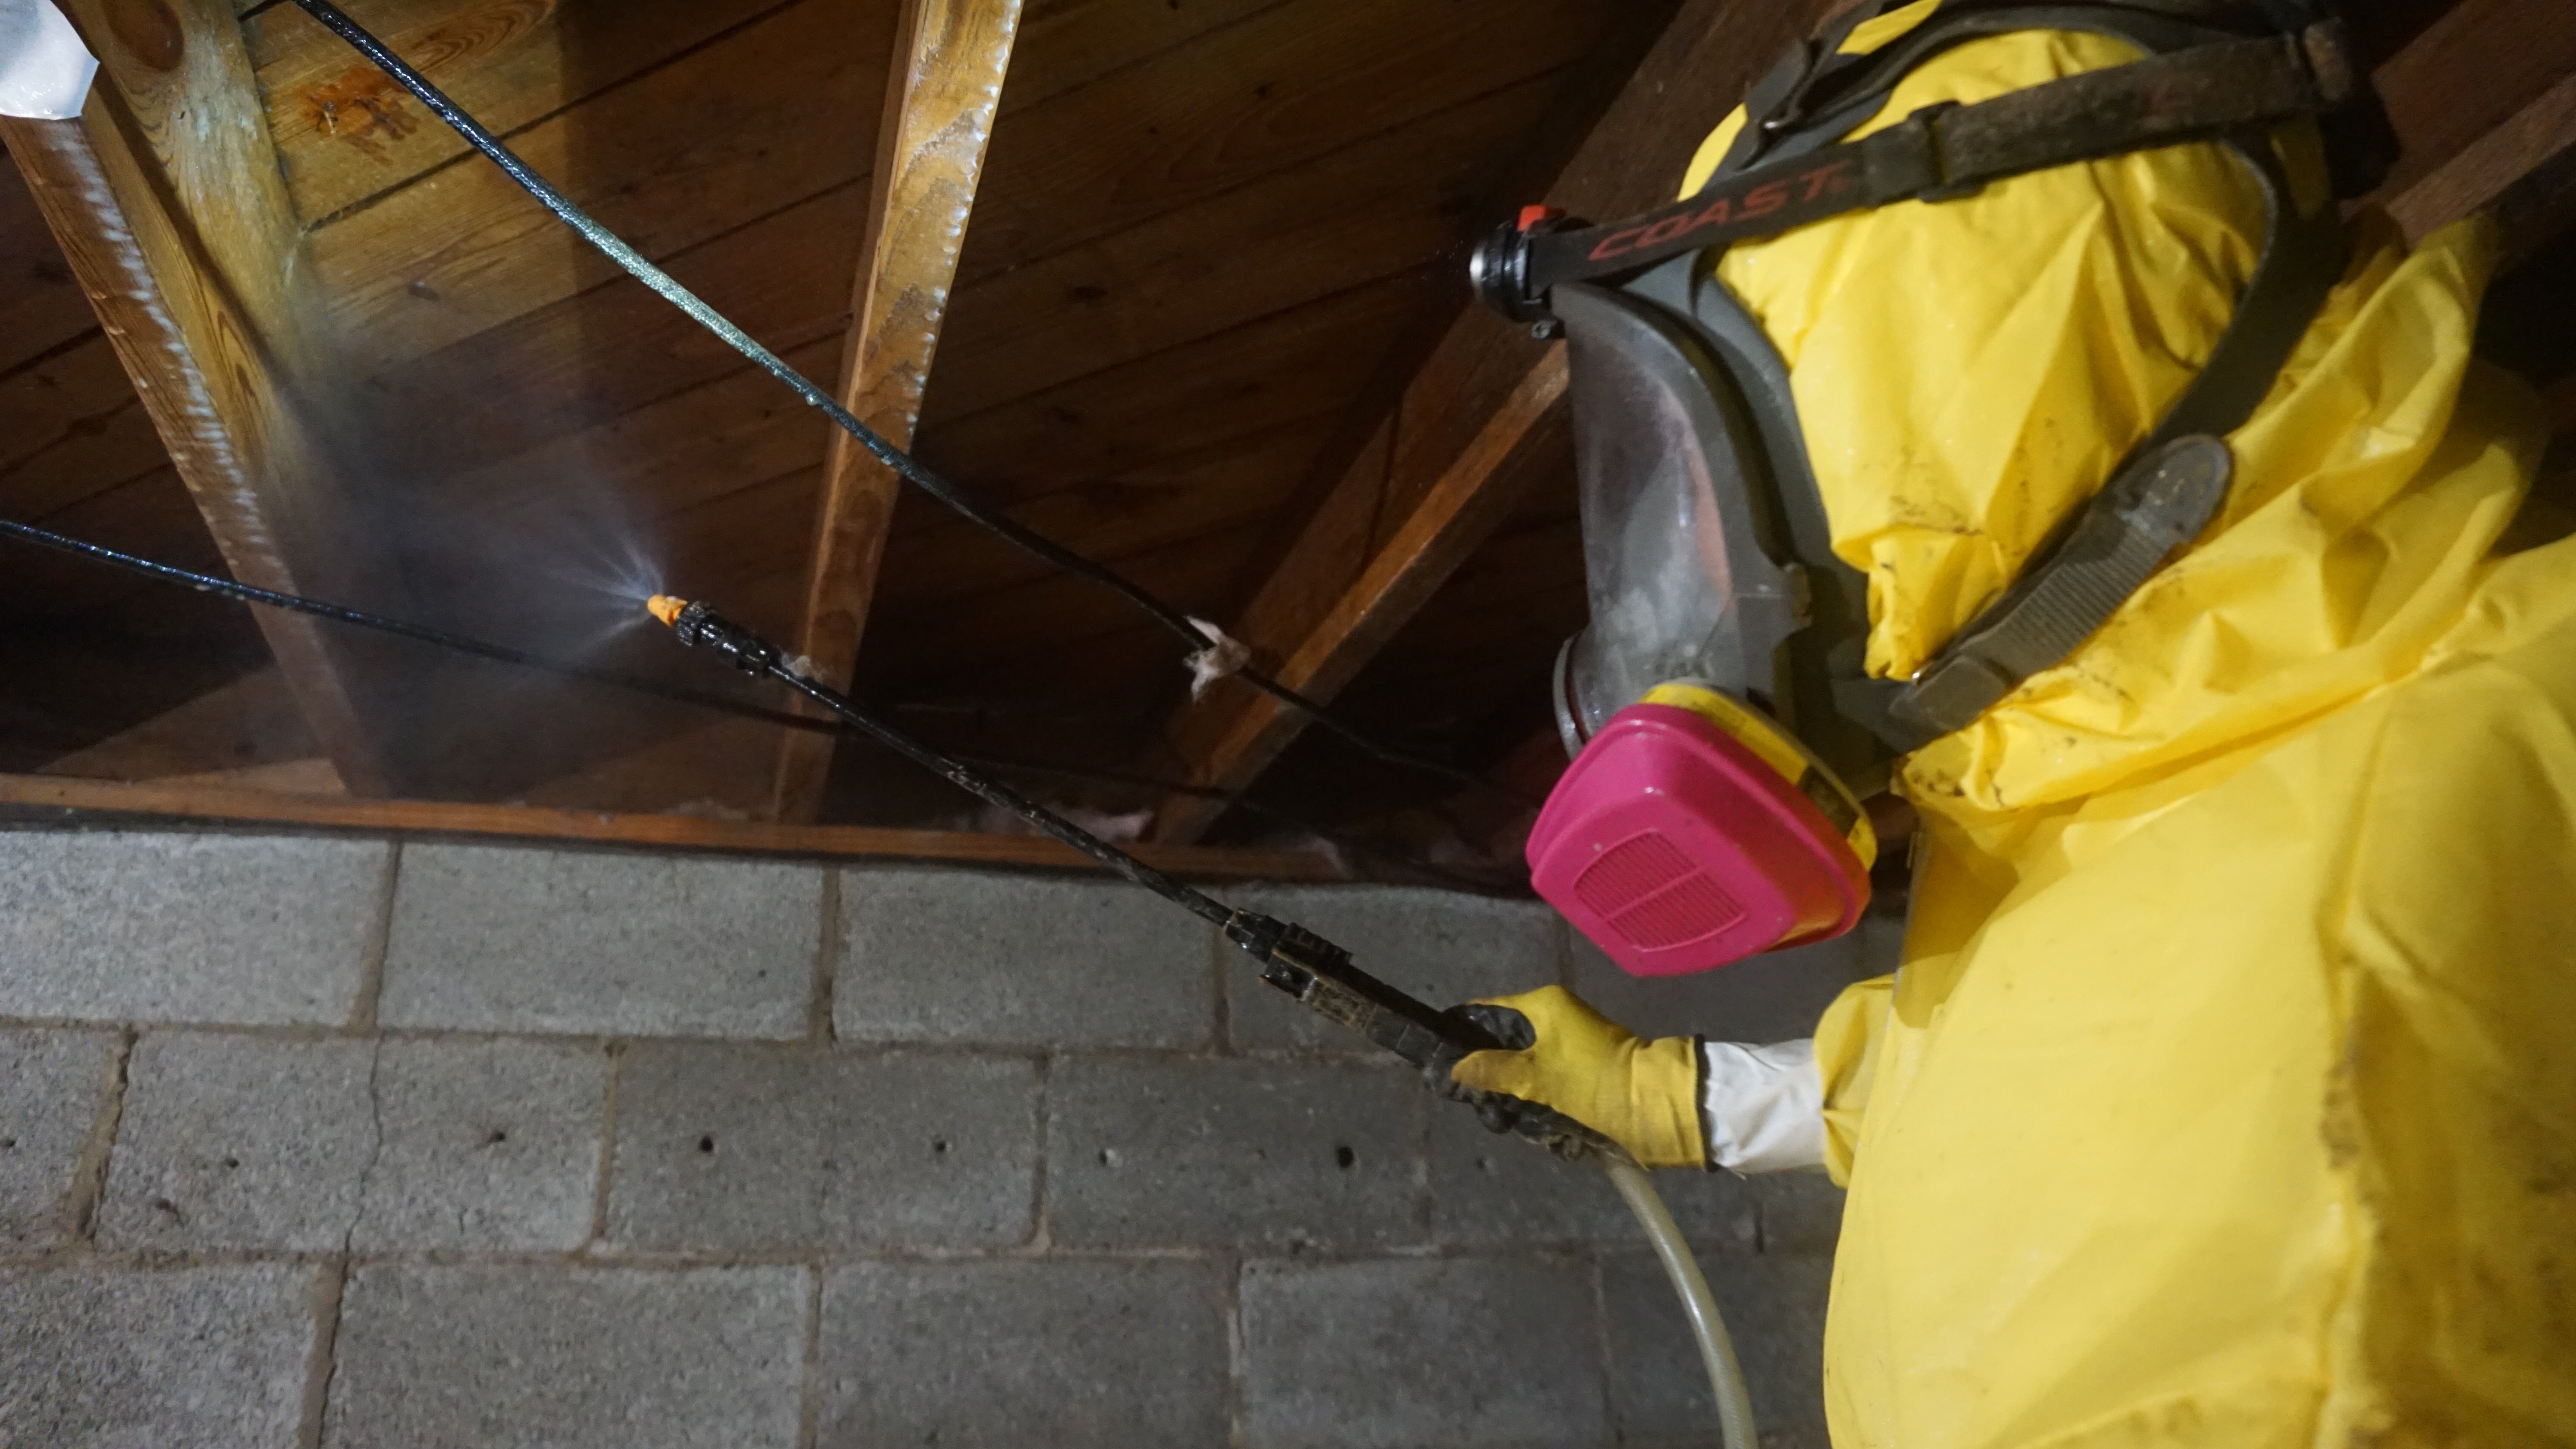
(1291, 958)
(905, 466)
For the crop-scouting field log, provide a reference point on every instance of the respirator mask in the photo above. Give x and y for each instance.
(1713, 807)
(1723, 728)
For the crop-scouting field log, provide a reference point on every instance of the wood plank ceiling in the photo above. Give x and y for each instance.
(1201, 229)
(1213, 242)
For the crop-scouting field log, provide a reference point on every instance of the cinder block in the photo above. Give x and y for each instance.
(1150, 1151)
(240, 1142)
(1489, 1189)
(1461, 1351)
(1768, 998)
(1441, 946)
(487, 1145)
(508, 939)
(1066, 1353)
(568, 1358)
(1802, 1212)
(1774, 1307)
(196, 1358)
(53, 1085)
(946, 955)
(752, 1149)
(230, 929)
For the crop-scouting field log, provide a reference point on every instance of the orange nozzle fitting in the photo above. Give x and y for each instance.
(665, 608)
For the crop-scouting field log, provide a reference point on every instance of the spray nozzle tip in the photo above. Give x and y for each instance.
(665, 608)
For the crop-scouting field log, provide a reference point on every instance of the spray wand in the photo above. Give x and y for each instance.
(1315, 971)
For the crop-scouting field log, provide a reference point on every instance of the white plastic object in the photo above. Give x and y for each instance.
(45, 71)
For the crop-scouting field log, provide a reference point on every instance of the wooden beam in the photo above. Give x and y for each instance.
(2519, 169)
(950, 58)
(672, 832)
(2465, 73)
(1478, 419)
(166, 200)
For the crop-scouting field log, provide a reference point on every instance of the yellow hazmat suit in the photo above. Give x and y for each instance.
(2227, 1092)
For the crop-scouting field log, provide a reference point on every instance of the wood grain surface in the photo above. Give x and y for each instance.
(1226, 747)
(1205, 324)
(166, 201)
(950, 59)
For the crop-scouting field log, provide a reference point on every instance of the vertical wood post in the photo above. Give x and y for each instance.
(950, 58)
(166, 199)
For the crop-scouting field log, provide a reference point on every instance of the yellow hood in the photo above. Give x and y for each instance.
(1968, 372)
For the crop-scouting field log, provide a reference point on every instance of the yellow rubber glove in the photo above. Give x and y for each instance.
(1642, 1094)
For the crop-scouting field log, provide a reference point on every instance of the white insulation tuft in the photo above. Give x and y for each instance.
(1224, 655)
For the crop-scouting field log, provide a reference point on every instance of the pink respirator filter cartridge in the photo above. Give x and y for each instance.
(1675, 849)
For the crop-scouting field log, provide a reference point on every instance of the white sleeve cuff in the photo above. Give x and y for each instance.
(1764, 1106)
(44, 68)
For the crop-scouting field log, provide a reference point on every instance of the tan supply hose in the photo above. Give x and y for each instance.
(1716, 1351)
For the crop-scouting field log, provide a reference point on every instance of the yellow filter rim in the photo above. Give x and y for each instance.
(1781, 750)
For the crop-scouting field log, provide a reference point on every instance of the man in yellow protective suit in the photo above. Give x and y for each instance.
(2226, 1093)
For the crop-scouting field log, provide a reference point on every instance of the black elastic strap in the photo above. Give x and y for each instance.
(2302, 259)
(2196, 94)
(1819, 94)
(2121, 537)
(2157, 501)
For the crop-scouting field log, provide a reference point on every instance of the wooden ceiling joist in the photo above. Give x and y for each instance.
(166, 199)
(1465, 436)
(2520, 169)
(950, 59)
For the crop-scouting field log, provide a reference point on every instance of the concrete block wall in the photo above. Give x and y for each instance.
(342, 1142)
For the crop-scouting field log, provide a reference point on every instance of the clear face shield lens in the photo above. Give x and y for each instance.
(1692, 830)
(1663, 538)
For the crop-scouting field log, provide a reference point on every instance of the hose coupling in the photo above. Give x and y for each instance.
(697, 622)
